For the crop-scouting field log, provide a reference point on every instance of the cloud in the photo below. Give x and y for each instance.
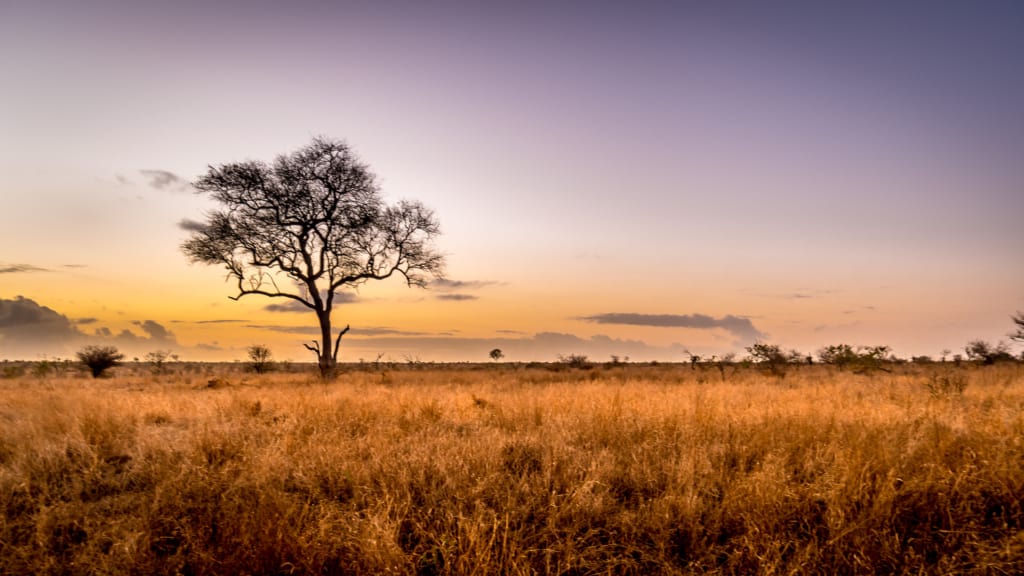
(309, 330)
(19, 268)
(740, 327)
(446, 285)
(191, 225)
(28, 329)
(364, 331)
(289, 305)
(457, 297)
(221, 321)
(385, 330)
(165, 180)
(156, 332)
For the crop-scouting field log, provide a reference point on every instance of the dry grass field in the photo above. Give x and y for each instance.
(515, 470)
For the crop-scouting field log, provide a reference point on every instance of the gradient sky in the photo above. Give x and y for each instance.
(612, 178)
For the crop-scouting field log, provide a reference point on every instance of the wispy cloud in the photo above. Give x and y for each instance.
(165, 180)
(289, 305)
(386, 331)
(358, 331)
(446, 285)
(189, 225)
(20, 268)
(219, 321)
(306, 330)
(457, 297)
(740, 327)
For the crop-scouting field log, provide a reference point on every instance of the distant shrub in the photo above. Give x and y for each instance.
(772, 358)
(982, 351)
(99, 358)
(259, 358)
(43, 368)
(861, 360)
(574, 360)
(12, 371)
(157, 360)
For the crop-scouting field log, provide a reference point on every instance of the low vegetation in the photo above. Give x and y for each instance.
(508, 469)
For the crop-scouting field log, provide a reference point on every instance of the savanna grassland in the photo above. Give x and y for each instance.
(506, 469)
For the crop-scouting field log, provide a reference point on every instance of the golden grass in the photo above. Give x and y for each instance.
(512, 470)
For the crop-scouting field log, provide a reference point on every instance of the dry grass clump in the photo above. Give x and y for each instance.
(631, 470)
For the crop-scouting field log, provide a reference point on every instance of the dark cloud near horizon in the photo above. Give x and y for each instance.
(26, 327)
(20, 268)
(30, 330)
(740, 327)
(165, 180)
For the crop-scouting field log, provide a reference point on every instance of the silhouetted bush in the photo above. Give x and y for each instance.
(982, 351)
(574, 360)
(259, 358)
(772, 358)
(99, 358)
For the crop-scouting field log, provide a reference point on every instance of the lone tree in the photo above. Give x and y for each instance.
(307, 226)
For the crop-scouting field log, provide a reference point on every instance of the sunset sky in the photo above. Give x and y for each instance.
(634, 178)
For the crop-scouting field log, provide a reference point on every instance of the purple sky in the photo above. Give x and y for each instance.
(831, 172)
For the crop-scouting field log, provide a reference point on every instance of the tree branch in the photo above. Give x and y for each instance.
(337, 343)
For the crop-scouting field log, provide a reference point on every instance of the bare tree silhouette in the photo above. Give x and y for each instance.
(314, 221)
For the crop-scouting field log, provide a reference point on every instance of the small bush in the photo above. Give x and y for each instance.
(99, 358)
(982, 351)
(574, 360)
(158, 360)
(259, 358)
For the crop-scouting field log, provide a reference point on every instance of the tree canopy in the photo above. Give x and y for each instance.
(308, 225)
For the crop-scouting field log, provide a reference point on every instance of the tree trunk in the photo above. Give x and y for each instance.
(327, 361)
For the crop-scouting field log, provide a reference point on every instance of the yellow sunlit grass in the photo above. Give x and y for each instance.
(514, 470)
